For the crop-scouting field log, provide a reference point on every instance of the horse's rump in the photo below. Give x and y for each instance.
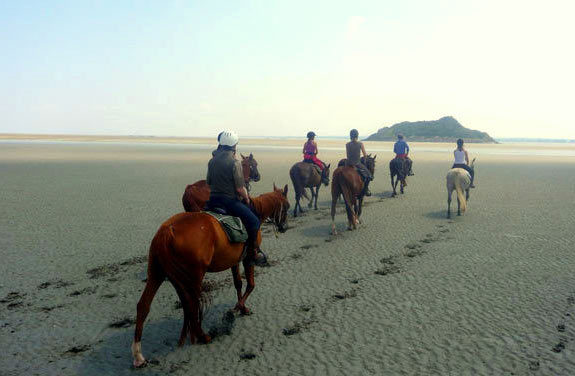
(397, 166)
(195, 196)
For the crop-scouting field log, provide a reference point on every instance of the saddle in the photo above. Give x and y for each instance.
(233, 226)
(313, 164)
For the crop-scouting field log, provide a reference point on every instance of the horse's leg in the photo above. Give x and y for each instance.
(152, 285)
(316, 194)
(297, 197)
(360, 208)
(237, 281)
(195, 293)
(449, 203)
(458, 206)
(250, 273)
(334, 199)
(467, 194)
(392, 186)
(402, 185)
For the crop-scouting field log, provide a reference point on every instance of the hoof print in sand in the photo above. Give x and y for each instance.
(387, 269)
(345, 295)
(559, 347)
(534, 365)
(247, 356)
(305, 308)
(15, 295)
(58, 284)
(77, 350)
(388, 260)
(50, 308)
(308, 246)
(296, 256)
(109, 296)
(355, 281)
(415, 253)
(561, 328)
(268, 263)
(84, 291)
(298, 327)
(123, 323)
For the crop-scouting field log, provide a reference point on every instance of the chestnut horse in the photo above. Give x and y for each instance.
(188, 245)
(196, 195)
(347, 182)
(304, 175)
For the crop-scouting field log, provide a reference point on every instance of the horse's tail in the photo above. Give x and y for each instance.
(460, 194)
(296, 180)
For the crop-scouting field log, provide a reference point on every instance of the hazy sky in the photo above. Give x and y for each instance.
(264, 68)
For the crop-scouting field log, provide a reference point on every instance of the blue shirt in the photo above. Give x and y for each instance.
(401, 147)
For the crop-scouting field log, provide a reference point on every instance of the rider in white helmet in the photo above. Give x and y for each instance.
(227, 189)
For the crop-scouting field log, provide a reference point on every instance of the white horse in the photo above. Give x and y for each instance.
(459, 180)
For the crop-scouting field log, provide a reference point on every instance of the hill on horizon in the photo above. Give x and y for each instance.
(446, 129)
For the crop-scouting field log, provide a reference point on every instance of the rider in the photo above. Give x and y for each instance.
(401, 150)
(227, 189)
(310, 151)
(354, 150)
(462, 160)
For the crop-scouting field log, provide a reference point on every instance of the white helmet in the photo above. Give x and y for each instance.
(228, 138)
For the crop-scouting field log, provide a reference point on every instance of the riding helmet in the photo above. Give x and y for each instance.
(228, 138)
(353, 133)
(460, 142)
(310, 134)
(400, 136)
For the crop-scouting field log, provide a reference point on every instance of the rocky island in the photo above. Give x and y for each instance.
(446, 129)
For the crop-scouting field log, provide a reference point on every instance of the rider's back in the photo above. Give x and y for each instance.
(223, 175)
(353, 149)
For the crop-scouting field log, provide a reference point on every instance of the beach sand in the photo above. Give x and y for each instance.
(409, 293)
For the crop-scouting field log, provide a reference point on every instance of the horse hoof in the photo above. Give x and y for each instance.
(204, 338)
(140, 363)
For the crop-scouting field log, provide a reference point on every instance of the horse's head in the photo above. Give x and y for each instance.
(369, 163)
(250, 168)
(325, 174)
(279, 215)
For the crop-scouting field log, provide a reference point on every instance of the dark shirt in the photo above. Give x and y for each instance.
(353, 149)
(224, 175)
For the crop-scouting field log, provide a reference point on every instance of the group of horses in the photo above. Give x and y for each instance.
(192, 243)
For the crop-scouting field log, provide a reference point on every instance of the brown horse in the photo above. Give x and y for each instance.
(304, 175)
(196, 195)
(347, 182)
(187, 246)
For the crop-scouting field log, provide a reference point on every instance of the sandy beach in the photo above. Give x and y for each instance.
(409, 293)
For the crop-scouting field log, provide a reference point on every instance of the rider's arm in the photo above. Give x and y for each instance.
(239, 182)
(406, 149)
(363, 151)
(315, 148)
(466, 157)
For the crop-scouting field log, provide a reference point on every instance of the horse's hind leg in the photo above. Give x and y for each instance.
(449, 203)
(316, 194)
(250, 273)
(237, 282)
(152, 284)
(393, 187)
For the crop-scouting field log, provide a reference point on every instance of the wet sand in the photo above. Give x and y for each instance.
(408, 293)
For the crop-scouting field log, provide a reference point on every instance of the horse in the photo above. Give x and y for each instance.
(398, 167)
(346, 181)
(196, 195)
(304, 175)
(459, 180)
(188, 245)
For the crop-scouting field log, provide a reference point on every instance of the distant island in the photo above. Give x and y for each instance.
(446, 129)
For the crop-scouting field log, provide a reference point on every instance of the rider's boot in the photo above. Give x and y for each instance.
(366, 191)
(254, 254)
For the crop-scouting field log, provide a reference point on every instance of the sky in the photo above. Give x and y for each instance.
(282, 68)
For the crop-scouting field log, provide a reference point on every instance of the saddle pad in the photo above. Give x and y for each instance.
(233, 227)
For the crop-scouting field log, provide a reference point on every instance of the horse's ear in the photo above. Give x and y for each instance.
(275, 188)
(328, 165)
(251, 156)
(242, 156)
(375, 156)
(285, 192)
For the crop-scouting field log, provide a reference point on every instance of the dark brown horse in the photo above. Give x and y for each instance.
(304, 175)
(347, 182)
(398, 169)
(187, 246)
(196, 195)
